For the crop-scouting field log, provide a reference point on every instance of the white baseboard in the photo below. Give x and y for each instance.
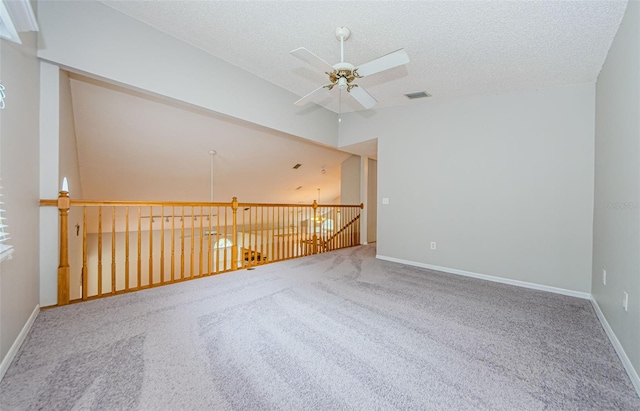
(6, 362)
(633, 374)
(517, 283)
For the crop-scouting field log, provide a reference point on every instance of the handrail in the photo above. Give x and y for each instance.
(94, 203)
(342, 230)
(116, 253)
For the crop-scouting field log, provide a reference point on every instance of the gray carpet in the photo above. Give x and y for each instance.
(335, 331)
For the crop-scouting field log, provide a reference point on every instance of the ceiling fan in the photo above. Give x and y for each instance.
(343, 74)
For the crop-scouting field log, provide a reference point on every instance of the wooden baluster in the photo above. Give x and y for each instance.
(289, 233)
(64, 204)
(352, 227)
(261, 261)
(272, 257)
(182, 245)
(85, 274)
(209, 249)
(235, 239)
(278, 236)
(173, 243)
(315, 233)
(234, 247)
(193, 239)
(250, 245)
(321, 219)
(139, 259)
(359, 219)
(150, 246)
(100, 251)
(113, 250)
(162, 281)
(285, 232)
(242, 240)
(296, 248)
(345, 218)
(126, 249)
(201, 259)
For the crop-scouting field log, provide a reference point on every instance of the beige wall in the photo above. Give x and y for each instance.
(19, 169)
(372, 202)
(69, 167)
(503, 184)
(350, 181)
(616, 231)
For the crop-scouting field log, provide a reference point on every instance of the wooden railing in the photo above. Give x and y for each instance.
(124, 246)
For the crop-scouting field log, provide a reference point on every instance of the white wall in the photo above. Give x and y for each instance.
(350, 180)
(372, 202)
(69, 167)
(616, 231)
(503, 184)
(19, 70)
(93, 38)
(49, 181)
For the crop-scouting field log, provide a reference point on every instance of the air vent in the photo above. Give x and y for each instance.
(297, 166)
(298, 188)
(420, 94)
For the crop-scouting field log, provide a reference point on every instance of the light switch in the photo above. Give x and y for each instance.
(385, 200)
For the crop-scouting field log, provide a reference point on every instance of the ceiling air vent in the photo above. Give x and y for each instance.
(297, 166)
(420, 94)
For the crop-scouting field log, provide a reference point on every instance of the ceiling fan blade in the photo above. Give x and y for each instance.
(310, 58)
(363, 97)
(386, 62)
(309, 97)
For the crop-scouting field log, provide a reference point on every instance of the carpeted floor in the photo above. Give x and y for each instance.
(336, 331)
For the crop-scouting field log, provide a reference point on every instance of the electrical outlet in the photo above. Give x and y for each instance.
(433, 245)
(604, 277)
(625, 301)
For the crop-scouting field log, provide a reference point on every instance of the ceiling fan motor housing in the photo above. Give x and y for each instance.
(342, 75)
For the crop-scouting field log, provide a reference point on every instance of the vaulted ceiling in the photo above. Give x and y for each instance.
(456, 48)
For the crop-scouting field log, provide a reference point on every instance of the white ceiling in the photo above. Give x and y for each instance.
(137, 147)
(457, 48)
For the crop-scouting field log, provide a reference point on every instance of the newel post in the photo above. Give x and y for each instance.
(234, 247)
(315, 233)
(64, 203)
(359, 234)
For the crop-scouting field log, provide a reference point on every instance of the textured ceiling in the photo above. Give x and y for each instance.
(457, 48)
(136, 147)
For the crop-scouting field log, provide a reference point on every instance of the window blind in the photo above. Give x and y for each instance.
(4, 233)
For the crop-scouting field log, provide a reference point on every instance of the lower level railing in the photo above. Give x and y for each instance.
(118, 247)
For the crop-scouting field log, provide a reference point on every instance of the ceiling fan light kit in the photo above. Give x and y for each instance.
(343, 74)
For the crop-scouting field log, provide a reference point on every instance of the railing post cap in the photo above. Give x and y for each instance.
(64, 202)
